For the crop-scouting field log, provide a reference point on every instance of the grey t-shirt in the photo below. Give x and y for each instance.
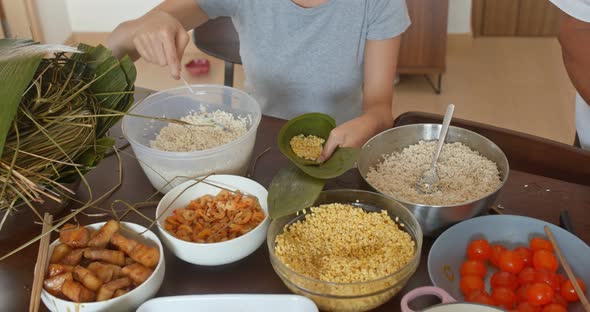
(298, 60)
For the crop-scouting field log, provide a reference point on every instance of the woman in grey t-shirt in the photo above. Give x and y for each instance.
(333, 56)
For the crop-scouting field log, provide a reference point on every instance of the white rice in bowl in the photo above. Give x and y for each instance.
(465, 175)
(208, 130)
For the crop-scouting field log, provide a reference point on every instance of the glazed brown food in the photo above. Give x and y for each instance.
(107, 291)
(59, 252)
(74, 236)
(54, 284)
(95, 266)
(55, 269)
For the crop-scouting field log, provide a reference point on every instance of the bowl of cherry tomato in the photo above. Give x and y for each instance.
(508, 262)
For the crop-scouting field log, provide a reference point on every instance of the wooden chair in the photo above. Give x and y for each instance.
(218, 38)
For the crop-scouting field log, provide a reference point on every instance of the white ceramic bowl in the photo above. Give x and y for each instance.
(127, 302)
(212, 253)
(230, 303)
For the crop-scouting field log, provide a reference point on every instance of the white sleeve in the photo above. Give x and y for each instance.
(579, 9)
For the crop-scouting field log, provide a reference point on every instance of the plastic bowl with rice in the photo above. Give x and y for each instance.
(167, 169)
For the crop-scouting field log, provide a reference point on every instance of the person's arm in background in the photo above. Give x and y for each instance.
(379, 74)
(574, 37)
(160, 36)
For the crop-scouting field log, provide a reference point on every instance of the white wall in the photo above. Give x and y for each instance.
(105, 15)
(459, 16)
(54, 20)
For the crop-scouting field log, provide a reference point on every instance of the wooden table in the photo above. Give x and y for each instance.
(526, 192)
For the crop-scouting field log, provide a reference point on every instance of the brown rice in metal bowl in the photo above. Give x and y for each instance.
(465, 175)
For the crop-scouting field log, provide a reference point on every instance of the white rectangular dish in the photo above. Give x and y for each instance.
(230, 303)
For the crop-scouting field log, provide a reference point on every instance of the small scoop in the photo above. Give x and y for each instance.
(428, 182)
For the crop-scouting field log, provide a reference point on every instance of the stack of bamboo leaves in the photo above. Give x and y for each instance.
(55, 111)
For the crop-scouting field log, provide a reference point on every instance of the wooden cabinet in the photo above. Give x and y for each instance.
(515, 18)
(424, 44)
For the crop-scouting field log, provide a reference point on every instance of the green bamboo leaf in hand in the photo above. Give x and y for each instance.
(319, 125)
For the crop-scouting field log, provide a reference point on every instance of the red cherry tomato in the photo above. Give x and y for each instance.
(540, 294)
(521, 293)
(526, 276)
(473, 267)
(568, 291)
(559, 299)
(504, 279)
(504, 297)
(526, 255)
(547, 277)
(527, 307)
(538, 243)
(554, 307)
(560, 280)
(480, 296)
(543, 259)
(511, 262)
(479, 250)
(495, 255)
(471, 282)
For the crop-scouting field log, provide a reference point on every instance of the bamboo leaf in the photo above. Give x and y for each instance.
(127, 100)
(292, 190)
(115, 80)
(319, 125)
(88, 160)
(343, 159)
(15, 75)
(316, 124)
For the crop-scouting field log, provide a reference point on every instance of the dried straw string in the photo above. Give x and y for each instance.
(55, 140)
(71, 215)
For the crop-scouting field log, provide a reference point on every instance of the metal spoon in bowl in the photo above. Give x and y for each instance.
(213, 122)
(428, 182)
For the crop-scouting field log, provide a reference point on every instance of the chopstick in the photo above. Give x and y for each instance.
(568, 269)
(41, 264)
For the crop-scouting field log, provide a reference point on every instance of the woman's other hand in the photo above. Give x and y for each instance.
(160, 36)
(355, 133)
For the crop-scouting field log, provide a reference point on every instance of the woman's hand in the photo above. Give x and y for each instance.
(355, 132)
(158, 37)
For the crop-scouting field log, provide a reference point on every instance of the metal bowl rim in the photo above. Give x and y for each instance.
(440, 206)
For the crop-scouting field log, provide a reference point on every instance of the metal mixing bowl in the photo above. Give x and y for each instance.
(434, 219)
